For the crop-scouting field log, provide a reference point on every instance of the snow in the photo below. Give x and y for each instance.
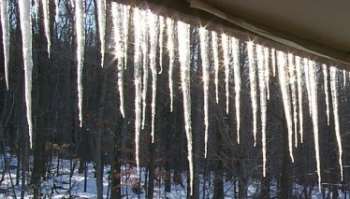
(26, 24)
(5, 25)
(184, 57)
(57, 185)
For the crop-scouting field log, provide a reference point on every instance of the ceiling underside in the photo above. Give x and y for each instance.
(321, 26)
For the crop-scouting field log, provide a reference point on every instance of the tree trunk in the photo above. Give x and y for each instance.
(150, 188)
(285, 184)
(43, 115)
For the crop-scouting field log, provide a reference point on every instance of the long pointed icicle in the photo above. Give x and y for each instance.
(120, 45)
(5, 25)
(171, 52)
(101, 13)
(307, 82)
(214, 42)
(334, 91)
(267, 71)
(300, 97)
(57, 10)
(225, 49)
(314, 109)
(253, 86)
(273, 61)
(145, 60)
(153, 35)
(292, 82)
(282, 76)
(237, 80)
(184, 57)
(161, 41)
(344, 78)
(203, 36)
(326, 89)
(46, 9)
(26, 27)
(80, 36)
(138, 81)
(126, 13)
(262, 88)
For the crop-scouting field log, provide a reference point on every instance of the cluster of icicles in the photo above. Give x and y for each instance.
(150, 29)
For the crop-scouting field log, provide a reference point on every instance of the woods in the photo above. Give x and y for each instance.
(133, 103)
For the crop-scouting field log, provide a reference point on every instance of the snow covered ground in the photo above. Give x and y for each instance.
(59, 185)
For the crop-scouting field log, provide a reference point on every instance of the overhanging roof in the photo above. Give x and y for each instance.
(320, 27)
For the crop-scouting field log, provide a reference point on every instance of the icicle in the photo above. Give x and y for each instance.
(184, 57)
(80, 34)
(237, 79)
(46, 13)
(57, 10)
(253, 89)
(161, 39)
(314, 109)
(334, 92)
(26, 27)
(273, 60)
(282, 76)
(214, 42)
(101, 15)
(292, 78)
(300, 96)
(262, 88)
(119, 34)
(344, 77)
(5, 25)
(138, 16)
(145, 71)
(153, 37)
(267, 71)
(126, 12)
(225, 49)
(171, 52)
(307, 82)
(36, 9)
(326, 89)
(203, 36)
